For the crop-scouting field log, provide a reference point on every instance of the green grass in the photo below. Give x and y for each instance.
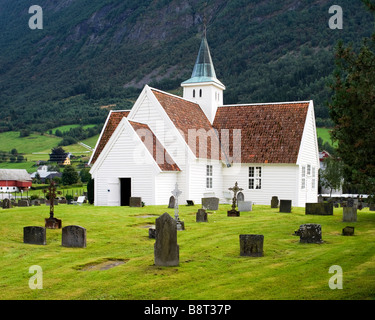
(324, 133)
(67, 127)
(210, 264)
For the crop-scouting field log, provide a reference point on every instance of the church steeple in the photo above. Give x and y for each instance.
(203, 86)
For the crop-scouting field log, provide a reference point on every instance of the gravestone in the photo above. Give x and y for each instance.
(251, 245)
(7, 204)
(190, 202)
(240, 197)
(349, 214)
(274, 202)
(348, 231)
(23, 203)
(73, 237)
(210, 203)
(166, 249)
(321, 209)
(310, 233)
(285, 206)
(34, 235)
(172, 202)
(372, 207)
(201, 216)
(245, 206)
(135, 202)
(152, 233)
(320, 199)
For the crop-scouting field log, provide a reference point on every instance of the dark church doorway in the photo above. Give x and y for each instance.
(126, 190)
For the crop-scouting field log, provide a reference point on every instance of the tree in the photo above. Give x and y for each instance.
(352, 110)
(90, 191)
(332, 175)
(85, 175)
(69, 176)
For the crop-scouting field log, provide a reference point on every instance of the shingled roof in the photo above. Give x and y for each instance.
(270, 133)
(187, 115)
(114, 119)
(156, 149)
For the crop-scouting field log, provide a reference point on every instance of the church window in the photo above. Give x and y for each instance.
(313, 182)
(200, 93)
(303, 178)
(194, 93)
(209, 176)
(255, 178)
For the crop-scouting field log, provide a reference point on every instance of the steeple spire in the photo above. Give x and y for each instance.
(204, 70)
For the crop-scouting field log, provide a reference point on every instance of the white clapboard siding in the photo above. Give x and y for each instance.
(277, 180)
(165, 183)
(127, 158)
(308, 155)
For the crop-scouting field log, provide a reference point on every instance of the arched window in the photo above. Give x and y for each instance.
(200, 93)
(194, 93)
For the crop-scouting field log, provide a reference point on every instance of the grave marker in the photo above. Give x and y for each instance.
(73, 237)
(251, 245)
(211, 203)
(34, 235)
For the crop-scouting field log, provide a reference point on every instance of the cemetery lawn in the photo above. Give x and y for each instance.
(210, 264)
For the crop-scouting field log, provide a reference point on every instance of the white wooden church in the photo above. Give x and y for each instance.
(270, 149)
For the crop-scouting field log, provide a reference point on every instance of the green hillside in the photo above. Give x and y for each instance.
(93, 56)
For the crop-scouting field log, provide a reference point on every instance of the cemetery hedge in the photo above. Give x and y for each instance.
(210, 263)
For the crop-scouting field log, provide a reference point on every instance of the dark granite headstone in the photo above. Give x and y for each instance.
(251, 245)
(172, 202)
(201, 216)
(322, 209)
(310, 233)
(349, 214)
(166, 249)
(7, 204)
(34, 235)
(348, 231)
(152, 233)
(23, 203)
(52, 223)
(210, 203)
(73, 236)
(190, 202)
(274, 202)
(285, 206)
(135, 202)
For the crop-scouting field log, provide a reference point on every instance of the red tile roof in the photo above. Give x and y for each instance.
(113, 121)
(187, 116)
(160, 155)
(270, 133)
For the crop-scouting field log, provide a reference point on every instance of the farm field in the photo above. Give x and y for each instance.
(210, 264)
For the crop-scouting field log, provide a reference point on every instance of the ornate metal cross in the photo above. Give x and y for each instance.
(176, 193)
(52, 196)
(235, 190)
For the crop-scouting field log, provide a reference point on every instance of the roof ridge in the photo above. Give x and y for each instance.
(264, 104)
(173, 95)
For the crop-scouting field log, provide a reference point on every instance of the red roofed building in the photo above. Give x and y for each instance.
(14, 180)
(270, 149)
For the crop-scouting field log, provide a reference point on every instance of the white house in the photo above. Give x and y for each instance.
(269, 149)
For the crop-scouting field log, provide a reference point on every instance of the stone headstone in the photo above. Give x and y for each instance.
(251, 245)
(322, 209)
(320, 199)
(166, 249)
(274, 202)
(23, 203)
(372, 206)
(73, 236)
(34, 235)
(190, 202)
(201, 216)
(152, 233)
(350, 202)
(349, 214)
(310, 233)
(52, 223)
(135, 202)
(240, 197)
(285, 206)
(172, 202)
(348, 231)
(245, 206)
(233, 213)
(210, 204)
(7, 204)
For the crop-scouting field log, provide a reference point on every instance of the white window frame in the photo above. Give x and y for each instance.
(209, 176)
(255, 178)
(303, 177)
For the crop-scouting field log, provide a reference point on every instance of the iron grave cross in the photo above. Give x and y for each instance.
(176, 193)
(235, 190)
